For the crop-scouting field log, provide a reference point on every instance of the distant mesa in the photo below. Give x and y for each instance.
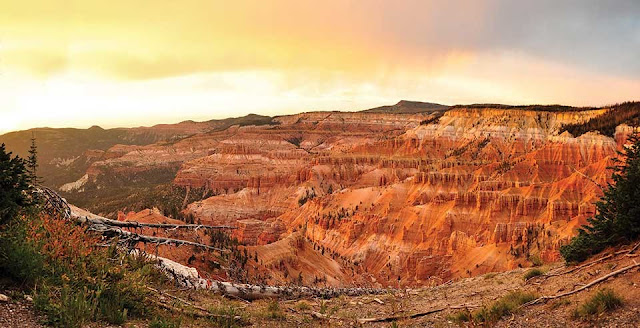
(408, 107)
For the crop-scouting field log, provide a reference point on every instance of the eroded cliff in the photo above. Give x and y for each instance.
(378, 198)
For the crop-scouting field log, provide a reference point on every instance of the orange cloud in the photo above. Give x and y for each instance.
(200, 59)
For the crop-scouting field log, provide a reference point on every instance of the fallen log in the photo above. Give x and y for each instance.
(111, 228)
(419, 314)
(186, 276)
(189, 277)
(135, 224)
(401, 317)
(580, 267)
(135, 238)
(633, 249)
(594, 282)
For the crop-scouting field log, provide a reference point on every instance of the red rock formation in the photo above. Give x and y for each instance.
(386, 198)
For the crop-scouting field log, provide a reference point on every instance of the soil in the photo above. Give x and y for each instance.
(470, 292)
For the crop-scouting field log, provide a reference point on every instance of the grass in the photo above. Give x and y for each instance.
(323, 307)
(532, 273)
(164, 323)
(274, 312)
(604, 300)
(489, 275)
(302, 306)
(490, 314)
(460, 317)
(536, 260)
(559, 303)
(226, 316)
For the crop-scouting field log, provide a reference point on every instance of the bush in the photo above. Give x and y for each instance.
(618, 217)
(164, 323)
(73, 281)
(303, 306)
(226, 316)
(274, 311)
(536, 260)
(604, 300)
(504, 306)
(460, 316)
(532, 273)
(20, 259)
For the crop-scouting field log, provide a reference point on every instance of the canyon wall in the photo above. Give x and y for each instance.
(377, 198)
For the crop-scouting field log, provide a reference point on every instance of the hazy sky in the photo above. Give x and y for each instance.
(130, 63)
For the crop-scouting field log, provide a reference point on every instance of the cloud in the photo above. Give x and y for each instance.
(205, 57)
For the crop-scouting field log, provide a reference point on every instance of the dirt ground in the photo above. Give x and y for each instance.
(17, 312)
(449, 298)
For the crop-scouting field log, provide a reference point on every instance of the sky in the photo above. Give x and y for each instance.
(77, 63)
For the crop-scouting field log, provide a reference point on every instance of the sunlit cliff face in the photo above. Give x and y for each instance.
(123, 63)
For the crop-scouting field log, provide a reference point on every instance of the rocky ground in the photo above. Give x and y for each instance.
(16, 309)
(446, 299)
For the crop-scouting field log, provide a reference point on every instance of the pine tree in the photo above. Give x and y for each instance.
(618, 212)
(32, 162)
(14, 185)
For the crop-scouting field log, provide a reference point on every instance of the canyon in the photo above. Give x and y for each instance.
(396, 196)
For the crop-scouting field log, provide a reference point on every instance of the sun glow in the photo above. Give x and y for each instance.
(139, 63)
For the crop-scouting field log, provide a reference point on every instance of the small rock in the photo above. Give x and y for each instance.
(4, 298)
(28, 298)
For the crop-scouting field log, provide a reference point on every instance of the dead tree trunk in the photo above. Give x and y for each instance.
(182, 274)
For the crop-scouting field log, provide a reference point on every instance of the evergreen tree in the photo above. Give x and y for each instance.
(14, 185)
(32, 162)
(618, 212)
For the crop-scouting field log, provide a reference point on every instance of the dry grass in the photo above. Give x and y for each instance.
(604, 300)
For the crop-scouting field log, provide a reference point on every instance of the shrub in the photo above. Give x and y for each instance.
(604, 300)
(559, 303)
(460, 316)
(274, 311)
(489, 275)
(164, 323)
(536, 260)
(532, 273)
(74, 282)
(302, 306)
(618, 212)
(225, 316)
(502, 307)
(309, 195)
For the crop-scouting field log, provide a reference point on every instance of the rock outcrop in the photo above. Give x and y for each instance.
(382, 198)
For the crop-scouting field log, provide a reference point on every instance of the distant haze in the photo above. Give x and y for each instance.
(131, 63)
